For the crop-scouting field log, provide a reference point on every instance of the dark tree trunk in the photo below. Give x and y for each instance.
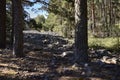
(18, 28)
(3, 24)
(81, 36)
(110, 17)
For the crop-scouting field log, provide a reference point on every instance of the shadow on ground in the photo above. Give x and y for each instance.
(49, 57)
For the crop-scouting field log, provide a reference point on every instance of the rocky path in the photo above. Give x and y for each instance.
(50, 56)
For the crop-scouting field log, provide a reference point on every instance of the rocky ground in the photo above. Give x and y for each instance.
(50, 57)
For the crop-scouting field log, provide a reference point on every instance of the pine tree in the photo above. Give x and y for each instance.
(81, 39)
(18, 28)
(3, 24)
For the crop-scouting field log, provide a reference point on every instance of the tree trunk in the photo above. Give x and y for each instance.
(81, 36)
(110, 17)
(3, 24)
(18, 28)
(93, 19)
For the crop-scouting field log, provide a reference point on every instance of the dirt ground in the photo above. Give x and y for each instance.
(51, 58)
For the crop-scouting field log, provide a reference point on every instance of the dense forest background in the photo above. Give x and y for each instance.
(103, 20)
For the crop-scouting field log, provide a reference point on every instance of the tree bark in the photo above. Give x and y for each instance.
(81, 36)
(18, 28)
(93, 19)
(3, 24)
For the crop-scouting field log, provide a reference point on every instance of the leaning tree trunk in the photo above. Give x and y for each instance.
(3, 24)
(81, 36)
(18, 28)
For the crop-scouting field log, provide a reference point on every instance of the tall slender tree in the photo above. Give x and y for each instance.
(3, 24)
(18, 28)
(81, 39)
(93, 19)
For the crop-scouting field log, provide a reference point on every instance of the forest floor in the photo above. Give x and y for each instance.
(50, 57)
